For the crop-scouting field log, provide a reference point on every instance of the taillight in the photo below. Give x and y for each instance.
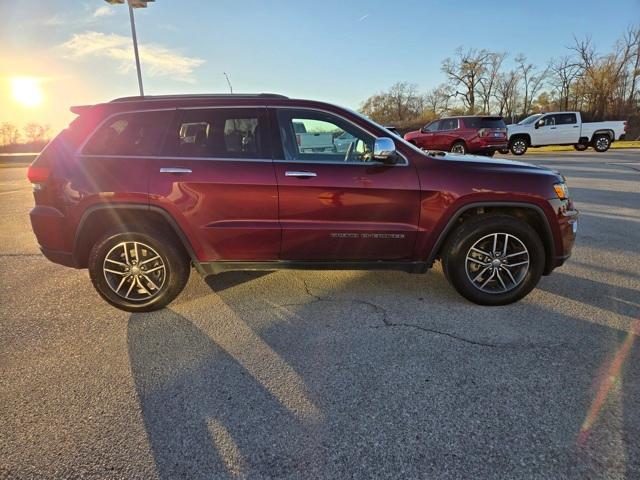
(482, 132)
(625, 126)
(298, 139)
(38, 174)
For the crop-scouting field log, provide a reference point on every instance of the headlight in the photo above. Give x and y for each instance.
(562, 191)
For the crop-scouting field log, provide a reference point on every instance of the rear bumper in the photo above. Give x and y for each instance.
(488, 148)
(50, 228)
(59, 257)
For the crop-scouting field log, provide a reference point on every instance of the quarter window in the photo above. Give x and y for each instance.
(218, 133)
(318, 136)
(135, 134)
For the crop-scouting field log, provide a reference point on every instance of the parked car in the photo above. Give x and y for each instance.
(134, 192)
(314, 141)
(483, 135)
(563, 128)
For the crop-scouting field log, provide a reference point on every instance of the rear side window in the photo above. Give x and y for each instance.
(219, 133)
(135, 134)
(484, 122)
(448, 124)
(566, 118)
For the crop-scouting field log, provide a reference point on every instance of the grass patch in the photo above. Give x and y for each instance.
(569, 148)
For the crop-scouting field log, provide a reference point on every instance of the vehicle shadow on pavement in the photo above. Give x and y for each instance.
(400, 375)
(194, 395)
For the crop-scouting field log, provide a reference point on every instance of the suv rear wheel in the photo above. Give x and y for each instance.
(494, 259)
(138, 271)
(581, 147)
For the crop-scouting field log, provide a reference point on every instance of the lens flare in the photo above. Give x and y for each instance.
(27, 91)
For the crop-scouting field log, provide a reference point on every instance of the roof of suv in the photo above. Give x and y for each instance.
(197, 96)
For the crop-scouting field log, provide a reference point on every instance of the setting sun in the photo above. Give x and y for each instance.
(26, 91)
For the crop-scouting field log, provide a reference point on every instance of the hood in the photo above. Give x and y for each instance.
(494, 163)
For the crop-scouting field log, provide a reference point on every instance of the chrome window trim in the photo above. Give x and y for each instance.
(159, 157)
(166, 109)
(211, 107)
(331, 162)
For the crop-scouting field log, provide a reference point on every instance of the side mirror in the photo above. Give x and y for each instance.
(384, 150)
(537, 125)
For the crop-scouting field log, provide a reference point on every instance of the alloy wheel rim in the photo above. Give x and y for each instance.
(497, 263)
(458, 149)
(602, 143)
(519, 146)
(134, 271)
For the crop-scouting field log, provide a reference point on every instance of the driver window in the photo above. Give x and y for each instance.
(547, 121)
(432, 127)
(311, 136)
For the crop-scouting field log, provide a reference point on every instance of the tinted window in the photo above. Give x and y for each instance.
(566, 119)
(130, 134)
(432, 127)
(448, 124)
(484, 122)
(324, 138)
(217, 132)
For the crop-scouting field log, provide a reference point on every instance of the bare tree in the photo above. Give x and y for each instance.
(34, 132)
(466, 72)
(563, 74)
(437, 100)
(490, 80)
(401, 103)
(506, 93)
(532, 81)
(9, 133)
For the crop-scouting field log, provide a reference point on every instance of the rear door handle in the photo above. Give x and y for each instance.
(300, 174)
(175, 170)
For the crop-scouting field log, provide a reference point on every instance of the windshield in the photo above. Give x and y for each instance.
(530, 119)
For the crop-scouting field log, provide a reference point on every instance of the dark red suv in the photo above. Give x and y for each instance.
(139, 189)
(483, 135)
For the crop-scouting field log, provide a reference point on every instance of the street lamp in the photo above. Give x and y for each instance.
(134, 4)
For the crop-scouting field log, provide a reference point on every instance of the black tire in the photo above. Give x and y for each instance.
(459, 148)
(518, 145)
(175, 268)
(581, 147)
(601, 143)
(489, 153)
(458, 246)
(504, 151)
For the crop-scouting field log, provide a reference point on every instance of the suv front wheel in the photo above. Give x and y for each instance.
(138, 271)
(494, 259)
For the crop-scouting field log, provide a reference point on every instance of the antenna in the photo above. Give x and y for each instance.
(228, 82)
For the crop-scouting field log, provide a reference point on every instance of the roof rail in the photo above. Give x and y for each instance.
(197, 95)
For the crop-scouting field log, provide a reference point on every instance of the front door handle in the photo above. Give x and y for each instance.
(300, 174)
(175, 170)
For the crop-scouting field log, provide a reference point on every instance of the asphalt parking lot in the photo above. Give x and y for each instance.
(300, 374)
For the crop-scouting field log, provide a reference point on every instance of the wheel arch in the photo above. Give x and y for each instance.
(525, 136)
(604, 131)
(532, 214)
(99, 218)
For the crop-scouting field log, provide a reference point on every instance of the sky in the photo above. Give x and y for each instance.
(75, 52)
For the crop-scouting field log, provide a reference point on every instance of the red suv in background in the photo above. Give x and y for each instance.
(483, 135)
(139, 189)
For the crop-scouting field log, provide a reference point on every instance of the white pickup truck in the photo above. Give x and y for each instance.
(563, 128)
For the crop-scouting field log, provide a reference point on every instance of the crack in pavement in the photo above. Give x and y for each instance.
(388, 323)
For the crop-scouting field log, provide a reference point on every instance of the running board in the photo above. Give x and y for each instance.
(213, 268)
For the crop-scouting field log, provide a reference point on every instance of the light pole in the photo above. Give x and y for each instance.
(134, 4)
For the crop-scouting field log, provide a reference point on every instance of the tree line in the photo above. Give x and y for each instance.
(479, 81)
(32, 137)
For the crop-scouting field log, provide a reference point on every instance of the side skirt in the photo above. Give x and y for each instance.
(212, 268)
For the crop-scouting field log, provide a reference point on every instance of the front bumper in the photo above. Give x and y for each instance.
(567, 223)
